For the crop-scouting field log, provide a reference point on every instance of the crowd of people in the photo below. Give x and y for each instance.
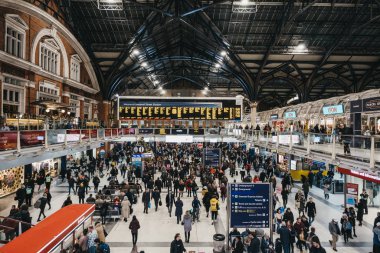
(174, 173)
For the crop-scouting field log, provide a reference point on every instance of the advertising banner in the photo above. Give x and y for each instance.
(274, 116)
(290, 115)
(178, 131)
(108, 132)
(250, 205)
(371, 104)
(85, 134)
(114, 132)
(94, 133)
(146, 131)
(162, 131)
(352, 191)
(32, 138)
(356, 106)
(8, 140)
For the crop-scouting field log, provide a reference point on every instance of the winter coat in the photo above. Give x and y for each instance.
(177, 247)
(284, 235)
(100, 231)
(125, 208)
(178, 208)
(134, 226)
(187, 221)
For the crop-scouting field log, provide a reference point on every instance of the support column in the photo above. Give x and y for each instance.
(104, 112)
(253, 114)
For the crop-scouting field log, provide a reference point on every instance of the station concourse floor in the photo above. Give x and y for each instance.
(158, 229)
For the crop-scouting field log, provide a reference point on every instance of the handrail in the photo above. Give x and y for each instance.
(27, 223)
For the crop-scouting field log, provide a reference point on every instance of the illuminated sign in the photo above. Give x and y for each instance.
(274, 116)
(333, 109)
(290, 115)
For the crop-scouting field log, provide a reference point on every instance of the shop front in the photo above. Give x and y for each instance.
(367, 180)
(366, 115)
(50, 166)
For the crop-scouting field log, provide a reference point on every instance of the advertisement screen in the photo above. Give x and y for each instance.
(333, 109)
(290, 115)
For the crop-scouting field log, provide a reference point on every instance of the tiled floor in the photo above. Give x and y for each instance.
(158, 229)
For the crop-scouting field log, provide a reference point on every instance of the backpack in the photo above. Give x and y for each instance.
(28, 190)
(48, 179)
(104, 248)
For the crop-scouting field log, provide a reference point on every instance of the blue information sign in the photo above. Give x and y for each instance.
(250, 205)
(212, 157)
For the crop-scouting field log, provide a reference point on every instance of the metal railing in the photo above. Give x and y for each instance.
(11, 228)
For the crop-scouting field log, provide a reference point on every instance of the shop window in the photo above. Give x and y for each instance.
(75, 68)
(15, 35)
(50, 56)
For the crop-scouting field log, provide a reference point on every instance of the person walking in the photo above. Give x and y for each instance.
(100, 231)
(176, 245)
(311, 210)
(316, 246)
(306, 188)
(48, 197)
(134, 226)
(214, 207)
(326, 190)
(43, 201)
(178, 209)
(284, 194)
(81, 193)
(285, 237)
(125, 208)
(92, 236)
(146, 200)
(156, 197)
(186, 222)
(170, 199)
(360, 212)
(335, 232)
(376, 238)
(20, 196)
(71, 185)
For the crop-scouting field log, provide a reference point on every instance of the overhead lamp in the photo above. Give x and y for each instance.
(47, 110)
(244, 2)
(206, 89)
(135, 51)
(68, 113)
(217, 65)
(155, 82)
(144, 64)
(160, 87)
(223, 53)
(116, 95)
(63, 111)
(301, 46)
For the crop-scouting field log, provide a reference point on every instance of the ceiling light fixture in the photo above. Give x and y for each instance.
(135, 51)
(144, 64)
(63, 111)
(206, 88)
(217, 65)
(223, 53)
(155, 82)
(244, 2)
(301, 47)
(47, 110)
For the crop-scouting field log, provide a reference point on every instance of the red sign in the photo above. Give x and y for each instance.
(8, 140)
(114, 132)
(85, 134)
(366, 175)
(32, 138)
(108, 132)
(94, 133)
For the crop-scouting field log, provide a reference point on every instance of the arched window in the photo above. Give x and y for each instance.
(15, 29)
(75, 68)
(50, 56)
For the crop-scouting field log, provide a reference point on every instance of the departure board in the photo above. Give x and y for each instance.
(181, 109)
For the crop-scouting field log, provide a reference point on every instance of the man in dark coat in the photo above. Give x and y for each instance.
(146, 200)
(254, 246)
(178, 209)
(20, 196)
(285, 237)
(177, 245)
(170, 201)
(311, 210)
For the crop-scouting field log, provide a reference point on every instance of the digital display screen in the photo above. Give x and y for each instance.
(181, 109)
(333, 109)
(290, 115)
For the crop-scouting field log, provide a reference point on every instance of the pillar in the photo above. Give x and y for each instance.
(104, 112)
(253, 114)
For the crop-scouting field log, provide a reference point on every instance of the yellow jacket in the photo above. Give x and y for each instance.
(214, 204)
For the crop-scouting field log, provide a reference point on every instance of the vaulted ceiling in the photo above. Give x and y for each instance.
(269, 51)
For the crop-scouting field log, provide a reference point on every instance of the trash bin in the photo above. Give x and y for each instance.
(218, 243)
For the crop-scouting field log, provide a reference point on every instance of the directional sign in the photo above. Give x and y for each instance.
(250, 205)
(212, 157)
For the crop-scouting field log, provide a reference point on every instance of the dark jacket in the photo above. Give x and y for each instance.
(254, 246)
(20, 194)
(284, 235)
(239, 247)
(311, 209)
(134, 226)
(169, 200)
(43, 202)
(146, 198)
(177, 247)
(178, 208)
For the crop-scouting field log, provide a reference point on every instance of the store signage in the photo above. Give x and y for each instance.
(179, 131)
(212, 157)
(32, 138)
(179, 139)
(371, 104)
(274, 116)
(162, 131)
(146, 131)
(250, 205)
(293, 165)
(8, 140)
(290, 115)
(333, 109)
(352, 191)
(69, 138)
(356, 106)
(285, 139)
(366, 175)
(196, 131)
